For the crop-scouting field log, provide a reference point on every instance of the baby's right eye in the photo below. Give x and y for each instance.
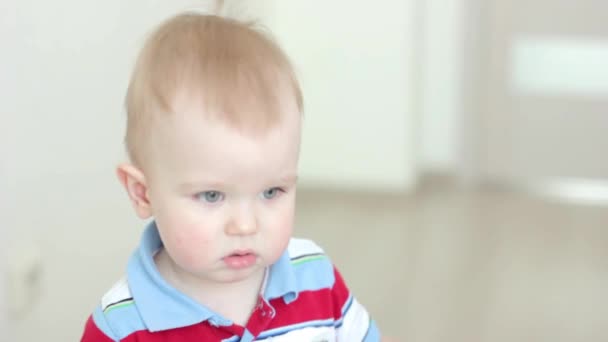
(210, 196)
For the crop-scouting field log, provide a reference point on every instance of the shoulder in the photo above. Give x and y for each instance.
(315, 270)
(311, 265)
(118, 295)
(302, 248)
(116, 315)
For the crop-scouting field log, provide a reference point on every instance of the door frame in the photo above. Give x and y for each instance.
(470, 132)
(474, 66)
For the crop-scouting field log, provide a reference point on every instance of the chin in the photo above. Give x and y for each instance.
(231, 276)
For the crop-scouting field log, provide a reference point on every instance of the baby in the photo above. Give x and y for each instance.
(214, 117)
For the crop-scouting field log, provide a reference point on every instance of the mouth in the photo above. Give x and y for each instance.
(240, 259)
(241, 253)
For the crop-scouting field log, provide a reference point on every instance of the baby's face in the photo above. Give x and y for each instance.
(223, 200)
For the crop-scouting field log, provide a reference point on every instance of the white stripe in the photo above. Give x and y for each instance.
(299, 247)
(298, 326)
(355, 323)
(310, 334)
(118, 292)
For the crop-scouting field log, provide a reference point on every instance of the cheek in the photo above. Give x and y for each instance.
(190, 239)
(184, 227)
(190, 249)
(284, 224)
(280, 227)
(281, 217)
(187, 243)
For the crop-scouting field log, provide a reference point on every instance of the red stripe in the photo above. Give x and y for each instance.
(340, 293)
(314, 305)
(190, 333)
(92, 333)
(212, 334)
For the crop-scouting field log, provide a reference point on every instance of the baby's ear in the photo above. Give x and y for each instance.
(134, 182)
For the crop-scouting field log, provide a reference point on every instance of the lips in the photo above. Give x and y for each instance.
(240, 259)
(242, 252)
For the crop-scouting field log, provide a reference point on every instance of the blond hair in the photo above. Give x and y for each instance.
(232, 67)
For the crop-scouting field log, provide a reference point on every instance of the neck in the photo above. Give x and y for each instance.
(233, 300)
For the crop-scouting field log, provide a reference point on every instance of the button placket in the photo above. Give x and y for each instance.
(266, 310)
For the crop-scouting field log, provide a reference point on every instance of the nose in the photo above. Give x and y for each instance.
(243, 221)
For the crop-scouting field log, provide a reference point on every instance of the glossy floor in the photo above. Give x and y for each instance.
(449, 264)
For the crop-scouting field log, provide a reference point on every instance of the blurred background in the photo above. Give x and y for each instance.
(454, 159)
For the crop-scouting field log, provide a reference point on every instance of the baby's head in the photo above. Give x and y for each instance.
(213, 134)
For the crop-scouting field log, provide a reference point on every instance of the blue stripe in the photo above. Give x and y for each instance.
(339, 323)
(373, 334)
(102, 324)
(314, 275)
(247, 337)
(286, 329)
(345, 308)
(347, 305)
(234, 338)
(124, 321)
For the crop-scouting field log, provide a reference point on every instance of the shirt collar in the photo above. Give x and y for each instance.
(163, 307)
(282, 281)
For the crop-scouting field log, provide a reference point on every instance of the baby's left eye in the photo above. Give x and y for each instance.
(271, 193)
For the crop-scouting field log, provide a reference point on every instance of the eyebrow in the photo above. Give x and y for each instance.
(214, 184)
(290, 178)
(210, 185)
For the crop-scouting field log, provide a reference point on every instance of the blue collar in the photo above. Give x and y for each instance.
(163, 307)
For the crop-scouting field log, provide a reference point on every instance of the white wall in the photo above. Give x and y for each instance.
(355, 62)
(72, 62)
(8, 58)
(441, 84)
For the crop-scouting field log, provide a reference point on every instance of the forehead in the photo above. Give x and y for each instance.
(189, 146)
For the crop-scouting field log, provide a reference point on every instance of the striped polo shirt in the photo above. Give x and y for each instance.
(304, 298)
